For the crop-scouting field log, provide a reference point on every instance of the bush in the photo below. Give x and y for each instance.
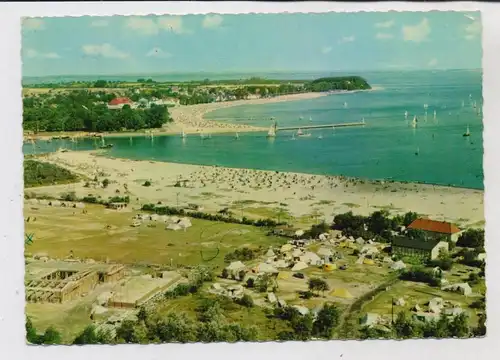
(471, 238)
(244, 254)
(225, 273)
(147, 183)
(105, 183)
(70, 196)
(419, 275)
(246, 301)
(250, 283)
(38, 173)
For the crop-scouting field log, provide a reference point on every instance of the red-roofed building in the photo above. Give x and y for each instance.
(118, 103)
(437, 229)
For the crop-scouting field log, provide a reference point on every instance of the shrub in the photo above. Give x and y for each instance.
(471, 238)
(419, 275)
(250, 283)
(147, 183)
(246, 301)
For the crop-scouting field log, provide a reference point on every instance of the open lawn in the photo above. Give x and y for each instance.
(103, 233)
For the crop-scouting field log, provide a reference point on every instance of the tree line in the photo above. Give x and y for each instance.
(87, 111)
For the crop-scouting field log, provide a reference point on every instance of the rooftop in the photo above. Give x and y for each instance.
(405, 242)
(434, 226)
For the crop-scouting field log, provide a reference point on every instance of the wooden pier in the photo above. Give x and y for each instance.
(321, 126)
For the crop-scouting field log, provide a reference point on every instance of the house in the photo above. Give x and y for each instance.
(424, 249)
(234, 269)
(118, 103)
(462, 288)
(370, 319)
(437, 229)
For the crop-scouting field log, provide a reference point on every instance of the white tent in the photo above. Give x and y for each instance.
(360, 241)
(185, 223)
(236, 266)
(311, 258)
(280, 264)
(462, 288)
(297, 253)
(55, 203)
(174, 227)
(286, 248)
(271, 298)
(270, 252)
(32, 201)
(299, 265)
(154, 217)
(265, 268)
(370, 319)
(435, 305)
(299, 233)
(325, 252)
(301, 309)
(79, 205)
(398, 265)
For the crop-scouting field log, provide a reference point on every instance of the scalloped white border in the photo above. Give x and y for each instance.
(12, 344)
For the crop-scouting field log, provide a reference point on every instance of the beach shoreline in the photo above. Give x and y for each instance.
(190, 119)
(215, 187)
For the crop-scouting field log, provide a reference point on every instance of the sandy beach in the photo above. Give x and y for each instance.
(300, 195)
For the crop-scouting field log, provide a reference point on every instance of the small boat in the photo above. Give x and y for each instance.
(345, 104)
(414, 123)
(237, 136)
(310, 119)
(183, 134)
(426, 106)
(406, 115)
(467, 132)
(107, 146)
(272, 131)
(301, 118)
(435, 114)
(417, 152)
(293, 136)
(299, 132)
(363, 121)
(320, 137)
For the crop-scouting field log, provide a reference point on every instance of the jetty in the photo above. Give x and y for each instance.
(321, 126)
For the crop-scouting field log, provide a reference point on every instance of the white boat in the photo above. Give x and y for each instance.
(310, 119)
(237, 136)
(463, 103)
(183, 134)
(299, 132)
(434, 114)
(272, 131)
(203, 136)
(293, 136)
(320, 136)
(426, 106)
(301, 118)
(467, 132)
(406, 115)
(414, 122)
(345, 104)
(363, 121)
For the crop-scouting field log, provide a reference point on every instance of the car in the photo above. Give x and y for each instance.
(299, 275)
(343, 267)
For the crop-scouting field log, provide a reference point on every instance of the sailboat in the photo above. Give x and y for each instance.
(414, 122)
(104, 145)
(467, 132)
(363, 121)
(183, 134)
(426, 106)
(237, 136)
(299, 132)
(272, 131)
(417, 152)
(310, 119)
(463, 103)
(301, 117)
(320, 136)
(293, 136)
(406, 115)
(434, 114)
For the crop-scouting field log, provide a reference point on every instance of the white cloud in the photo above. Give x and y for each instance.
(104, 50)
(152, 26)
(385, 24)
(473, 30)
(99, 23)
(143, 25)
(32, 53)
(33, 24)
(383, 36)
(158, 53)
(347, 39)
(172, 23)
(417, 33)
(326, 49)
(212, 21)
(432, 62)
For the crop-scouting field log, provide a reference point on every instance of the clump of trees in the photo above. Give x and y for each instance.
(338, 83)
(317, 285)
(38, 173)
(82, 110)
(50, 337)
(418, 274)
(243, 254)
(305, 327)
(407, 328)
(472, 238)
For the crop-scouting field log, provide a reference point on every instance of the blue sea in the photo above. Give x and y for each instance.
(436, 152)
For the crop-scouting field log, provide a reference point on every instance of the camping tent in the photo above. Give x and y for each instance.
(299, 265)
(286, 248)
(283, 275)
(368, 262)
(462, 288)
(341, 293)
(299, 233)
(174, 227)
(398, 265)
(310, 258)
(265, 268)
(185, 223)
(280, 264)
(325, 252)
(270, 252)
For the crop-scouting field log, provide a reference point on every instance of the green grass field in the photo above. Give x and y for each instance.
(103, 233)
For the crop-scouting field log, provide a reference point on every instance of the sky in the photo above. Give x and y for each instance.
(365, 41)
